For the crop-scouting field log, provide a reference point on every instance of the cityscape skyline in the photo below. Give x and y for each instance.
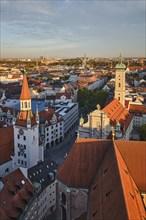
(72, 28)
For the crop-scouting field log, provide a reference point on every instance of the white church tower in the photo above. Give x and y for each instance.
(27, 151)
(120, 82)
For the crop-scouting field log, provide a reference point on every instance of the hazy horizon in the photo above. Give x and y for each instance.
(71, 28)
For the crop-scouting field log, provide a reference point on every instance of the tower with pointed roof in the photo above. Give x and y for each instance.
(120, 81)
(27, 151)
(84, 62)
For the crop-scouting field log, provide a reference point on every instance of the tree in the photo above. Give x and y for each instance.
(88, 99)
(142, 131)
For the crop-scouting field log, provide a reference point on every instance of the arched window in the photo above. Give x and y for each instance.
(63, 198)
(119, 84)
(25, 104)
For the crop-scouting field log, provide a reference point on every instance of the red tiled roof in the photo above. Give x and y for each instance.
(132, 197)
(134, 155)
(117, 113)
(6, 109)
(25, 92)
(137, 108)
(47, 115)
(126, 104)
(114, 174)
(23, 123)
(6, 144)
(106, 201)
(13, 199)
(79, 165)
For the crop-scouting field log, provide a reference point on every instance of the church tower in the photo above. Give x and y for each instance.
(84, 62)
(120, 82)
(27, 151)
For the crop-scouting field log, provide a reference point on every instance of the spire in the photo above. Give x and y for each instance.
(37, 112)
(37, 115)
(25, 92)
(120, 59)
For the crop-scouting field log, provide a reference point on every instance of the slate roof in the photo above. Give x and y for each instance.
(43, 173)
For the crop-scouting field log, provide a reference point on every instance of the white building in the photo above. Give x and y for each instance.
(26, 133)
(70, 114)
(51, 127)
(120, 82)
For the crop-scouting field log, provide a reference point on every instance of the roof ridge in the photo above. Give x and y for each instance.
(130, 178)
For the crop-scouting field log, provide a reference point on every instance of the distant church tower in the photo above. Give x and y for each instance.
(120, 82)
(84, 62)
(27, 151)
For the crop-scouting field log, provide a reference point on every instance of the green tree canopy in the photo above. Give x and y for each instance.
(88, 99)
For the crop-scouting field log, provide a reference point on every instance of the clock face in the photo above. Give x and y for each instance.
(21, 132)
(63, 97)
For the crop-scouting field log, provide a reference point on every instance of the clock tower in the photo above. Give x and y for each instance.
(120, 82)
(27, 151)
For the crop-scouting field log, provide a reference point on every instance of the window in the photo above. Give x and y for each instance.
(19, 154)
(24, 146)
(24, 138)
(18, 145)
(63, 198)
(24, 155)
(119, 84)
(18, 136)
(22, 162)
(19, 161)
(25, 163)
(25, 104)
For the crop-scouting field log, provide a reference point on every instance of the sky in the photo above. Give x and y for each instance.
(72, 28)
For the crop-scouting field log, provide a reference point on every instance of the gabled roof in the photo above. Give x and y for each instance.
(48, 114)
(137, 108)
(82, 163)
(15, 194)
(117, 113)
(6, 144)
(134, 155)
(25, 92)
(114, 173)
(114, 184)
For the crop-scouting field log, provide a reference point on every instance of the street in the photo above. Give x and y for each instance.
(59, 152)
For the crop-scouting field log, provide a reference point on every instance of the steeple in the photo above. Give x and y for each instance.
(25, 99)
(25, 92)
(120, 81)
